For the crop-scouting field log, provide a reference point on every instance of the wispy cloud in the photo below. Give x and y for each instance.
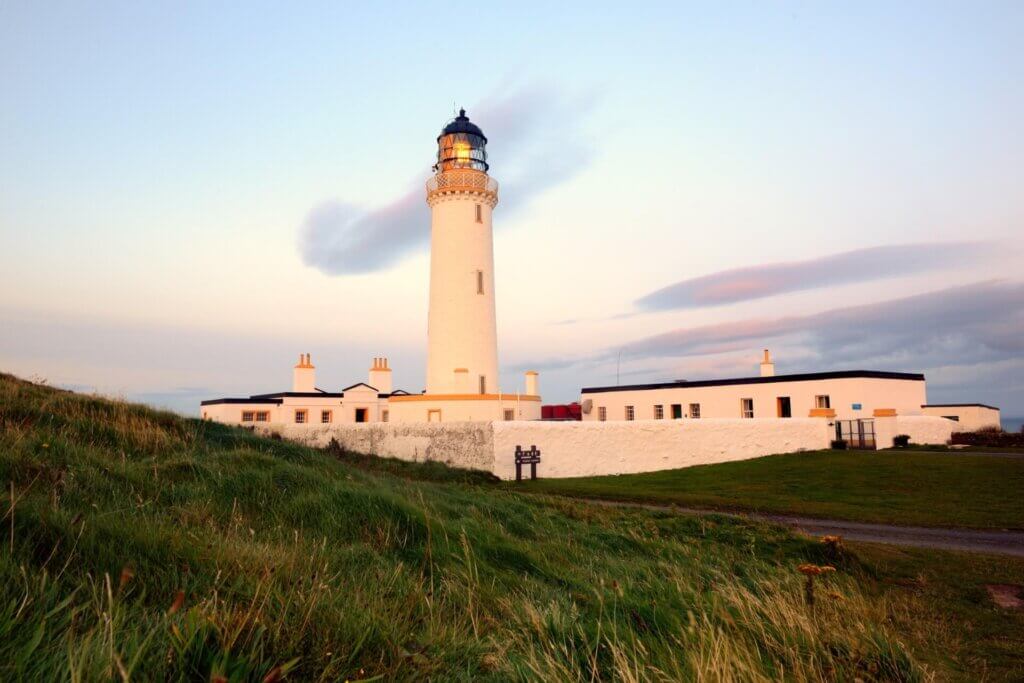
(534, 143)
(974, 323)
(982, 322)
(861, 265)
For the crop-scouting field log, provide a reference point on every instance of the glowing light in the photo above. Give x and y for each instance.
(462, 151)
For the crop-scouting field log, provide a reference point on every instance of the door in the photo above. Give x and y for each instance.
(859, 434)
(360, 414)
(783, 407)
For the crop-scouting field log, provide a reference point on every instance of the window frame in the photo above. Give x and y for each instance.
(480, 282)
(602, 414)
(818, 401)
(509, 414)
(694, 414)
(264, 414)
(630, 413)
(248, 416)
(302, 413)
(743, 408)
(659, 411)
(479, 213)
(329, 414)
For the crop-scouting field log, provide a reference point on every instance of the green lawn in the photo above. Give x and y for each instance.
(929, 489)
(140, 546)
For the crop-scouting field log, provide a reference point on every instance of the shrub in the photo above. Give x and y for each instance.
(989, 437)
(839, 444)
(901, 440)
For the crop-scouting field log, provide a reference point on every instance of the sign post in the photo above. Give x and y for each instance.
(530, 457)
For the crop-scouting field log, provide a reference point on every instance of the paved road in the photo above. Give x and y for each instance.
(1015, 456)
(968, 540)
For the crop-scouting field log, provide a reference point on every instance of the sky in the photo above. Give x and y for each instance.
(192, 194)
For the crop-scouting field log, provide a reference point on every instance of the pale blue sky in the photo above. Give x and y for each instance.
(158, 163)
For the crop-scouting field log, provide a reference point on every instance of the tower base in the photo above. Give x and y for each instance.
(463, 407)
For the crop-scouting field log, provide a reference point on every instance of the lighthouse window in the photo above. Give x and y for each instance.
(479, 282)
(479, 214)
(483, 384)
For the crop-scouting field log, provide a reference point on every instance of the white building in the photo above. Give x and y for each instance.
(462, 339)
(848, 395)
(307, 404)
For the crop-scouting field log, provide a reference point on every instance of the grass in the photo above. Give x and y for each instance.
(892, 487)
(141, 546)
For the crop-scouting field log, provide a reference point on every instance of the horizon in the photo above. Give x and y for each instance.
(195, 195)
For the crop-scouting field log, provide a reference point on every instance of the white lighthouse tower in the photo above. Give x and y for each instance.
(462, 337)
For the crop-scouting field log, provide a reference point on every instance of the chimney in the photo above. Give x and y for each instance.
(767, 366)
(380, 375)
(304, 375)
(531, 383)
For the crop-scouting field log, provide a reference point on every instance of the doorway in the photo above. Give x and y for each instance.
(859, 434)
(360, 414)
(783, 408)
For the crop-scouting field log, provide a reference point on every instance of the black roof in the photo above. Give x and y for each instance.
(462, 124)
(959, 405)
(256, 400)
(300, 394)
(805, 377)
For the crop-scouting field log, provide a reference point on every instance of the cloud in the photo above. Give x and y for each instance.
(756, 282)
(534, 143)
(983, 322)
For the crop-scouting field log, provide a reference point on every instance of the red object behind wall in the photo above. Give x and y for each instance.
(566, 411)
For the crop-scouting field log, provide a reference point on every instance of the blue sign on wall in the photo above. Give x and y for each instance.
(857, 406)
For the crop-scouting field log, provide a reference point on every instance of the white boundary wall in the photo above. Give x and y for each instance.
(579, 449)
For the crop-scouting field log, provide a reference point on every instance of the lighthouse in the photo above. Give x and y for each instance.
(462, 331)
(462, 338)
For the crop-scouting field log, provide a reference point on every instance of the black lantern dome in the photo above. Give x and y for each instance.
(461, 145)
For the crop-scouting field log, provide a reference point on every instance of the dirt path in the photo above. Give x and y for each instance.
(967, 540)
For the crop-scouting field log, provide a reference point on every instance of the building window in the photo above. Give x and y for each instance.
(822, 401)
(630, 413)
(783, 406)
(746, 407)
(384, 416)
(300, 416)
(677, 411)
(602, 413)
(263, 416)
(695, 411)
(479, 282)
(248, 415)
(325, 416)
(483, 384)
(510, 414)
(659, 412)
(360, 414)
(479, 214)
(433, 416)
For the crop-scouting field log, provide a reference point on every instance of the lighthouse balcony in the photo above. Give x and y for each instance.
(463, 180)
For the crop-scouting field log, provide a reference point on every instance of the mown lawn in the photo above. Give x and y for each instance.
(137, 545)
(897, 487)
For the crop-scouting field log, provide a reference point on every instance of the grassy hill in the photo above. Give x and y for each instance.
(137, 545)
(890, 487)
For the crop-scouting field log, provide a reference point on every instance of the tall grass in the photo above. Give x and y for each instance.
(141, 546)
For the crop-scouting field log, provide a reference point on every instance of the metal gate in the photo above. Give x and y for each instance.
(857, 433)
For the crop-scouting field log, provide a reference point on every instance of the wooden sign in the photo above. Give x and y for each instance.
(530, 457)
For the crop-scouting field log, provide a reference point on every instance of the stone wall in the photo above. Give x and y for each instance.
(579, 449)
(923, 429)
(469, 445)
